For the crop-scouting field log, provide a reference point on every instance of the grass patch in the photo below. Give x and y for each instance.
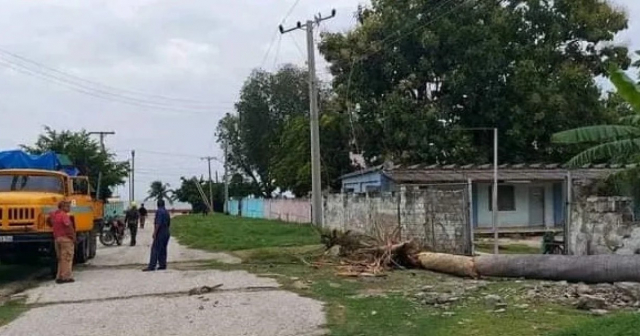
(508, 248)
(10, 311)
(380, 306)
(227, 233)
(619, 325)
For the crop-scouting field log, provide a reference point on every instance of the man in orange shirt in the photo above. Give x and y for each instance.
(64, 234)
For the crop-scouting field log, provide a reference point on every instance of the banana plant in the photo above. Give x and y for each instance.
(612, 142)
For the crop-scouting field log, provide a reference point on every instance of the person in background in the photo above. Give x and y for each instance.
(158, 259)
(143, 215)
(64, 234)
(131, 220)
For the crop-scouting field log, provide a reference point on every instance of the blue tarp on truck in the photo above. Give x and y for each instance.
(17, 159)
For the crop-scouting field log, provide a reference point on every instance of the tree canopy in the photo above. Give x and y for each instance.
(86, 154)
(416, 73)
(188, 192)
(267, 140)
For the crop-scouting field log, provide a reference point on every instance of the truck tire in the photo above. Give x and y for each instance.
(82, 251)
(93, 243)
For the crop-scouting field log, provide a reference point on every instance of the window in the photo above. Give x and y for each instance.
(80, 186)
(506, 198)
(37, 183)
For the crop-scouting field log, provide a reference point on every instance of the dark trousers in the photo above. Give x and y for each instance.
(159, 251)
(133, 228)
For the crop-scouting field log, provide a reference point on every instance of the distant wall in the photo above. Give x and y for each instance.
(287, 210)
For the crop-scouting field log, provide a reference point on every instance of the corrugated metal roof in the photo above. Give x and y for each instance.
(484, 172)
(362, 172)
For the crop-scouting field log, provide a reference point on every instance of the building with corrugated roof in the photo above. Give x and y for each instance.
(531, 197)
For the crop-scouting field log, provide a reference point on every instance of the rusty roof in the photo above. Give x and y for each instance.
(517, 172)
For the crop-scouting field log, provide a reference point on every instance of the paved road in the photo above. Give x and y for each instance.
(107, 300)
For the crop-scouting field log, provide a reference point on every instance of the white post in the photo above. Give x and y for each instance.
(495, 192)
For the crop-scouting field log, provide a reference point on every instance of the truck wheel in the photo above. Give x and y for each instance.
(93, 244)
(81, 253)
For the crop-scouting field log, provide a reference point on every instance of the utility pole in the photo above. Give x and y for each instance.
(102, 135)
(209, 158)
(226, 179)
(133, 175)
(316, 182)
(496, 249)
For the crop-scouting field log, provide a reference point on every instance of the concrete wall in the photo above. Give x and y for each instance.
(436, 217)
(361, 213)
(234, 207)
(252, 208)
(288, 210)
(520, 216)
(602, 225)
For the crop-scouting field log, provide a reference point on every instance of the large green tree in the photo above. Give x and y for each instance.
(86, 154)
(269, 127)
(292, 162)
(414, 73)
(188, 192)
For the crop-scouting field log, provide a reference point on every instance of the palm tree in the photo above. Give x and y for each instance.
(160, 191)
(619, 142)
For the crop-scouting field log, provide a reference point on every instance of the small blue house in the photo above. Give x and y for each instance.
(530, 197)
(366, 181)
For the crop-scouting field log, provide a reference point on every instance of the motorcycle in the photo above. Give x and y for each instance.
(113, 231)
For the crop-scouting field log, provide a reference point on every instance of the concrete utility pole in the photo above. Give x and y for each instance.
(494, 193)
(133, 175)
(102, 135)
(226, 180)
(209, 158)
(316, 182)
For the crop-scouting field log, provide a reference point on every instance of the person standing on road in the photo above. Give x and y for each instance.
(131, 220)
(64, 235)
(158, 259)
(143, 215)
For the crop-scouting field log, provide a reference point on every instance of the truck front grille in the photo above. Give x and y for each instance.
(20, 216)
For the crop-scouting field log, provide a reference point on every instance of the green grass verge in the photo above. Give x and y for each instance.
(619, 325)
(384, 306)
(10, 311)
(227, 233)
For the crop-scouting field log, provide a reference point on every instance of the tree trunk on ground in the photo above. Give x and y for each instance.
(588, 269)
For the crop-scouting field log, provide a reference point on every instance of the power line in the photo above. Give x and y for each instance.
(275, 33)
(94, 83)
(99, 94)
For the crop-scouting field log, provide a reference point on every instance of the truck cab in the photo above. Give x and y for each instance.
(28, 197)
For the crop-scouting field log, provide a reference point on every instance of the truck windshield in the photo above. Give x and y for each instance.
(38, 183)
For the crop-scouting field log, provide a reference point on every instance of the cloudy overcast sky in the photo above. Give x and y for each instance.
(169, 70)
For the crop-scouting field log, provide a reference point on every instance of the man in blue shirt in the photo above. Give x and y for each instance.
(158, 260)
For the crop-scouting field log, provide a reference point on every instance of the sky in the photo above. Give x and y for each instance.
(159, 73)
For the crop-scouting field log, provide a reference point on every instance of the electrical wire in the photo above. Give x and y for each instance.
(99, 93)
(97, 84)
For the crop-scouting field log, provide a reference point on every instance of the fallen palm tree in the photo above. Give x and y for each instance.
(372, 255)
(588, 269)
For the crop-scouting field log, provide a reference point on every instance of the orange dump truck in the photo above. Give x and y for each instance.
(30, 189)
